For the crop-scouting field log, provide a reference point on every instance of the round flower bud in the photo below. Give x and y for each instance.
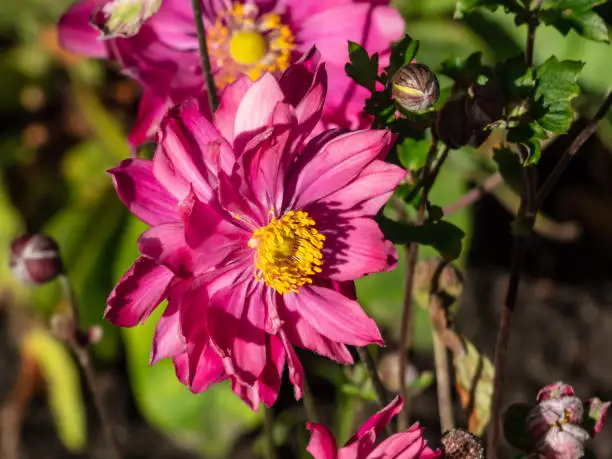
(415, 87)
(452, 124)
(35, 259)
(460, 444)
(484, 105)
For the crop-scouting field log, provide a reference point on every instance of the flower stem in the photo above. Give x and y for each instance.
(269, 432)
(81, 351)
(412, 255)
(309, 405)
(443, 384)
(213, 99)
(370, 364)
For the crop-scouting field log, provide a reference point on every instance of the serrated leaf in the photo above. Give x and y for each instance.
(515, 78)
(467, 5)
(442, 235)
(509, 166)
(474, 384)
(63, 387)
(465, 71)
(555, 88)
(402, 53)
(362, 68)
(577, 15)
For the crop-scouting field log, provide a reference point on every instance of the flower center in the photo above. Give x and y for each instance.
(289, 252)
(241, 41)
(247, 47)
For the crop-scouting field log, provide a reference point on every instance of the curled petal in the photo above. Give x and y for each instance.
(322, 444)
(77, 35)
(138, 293)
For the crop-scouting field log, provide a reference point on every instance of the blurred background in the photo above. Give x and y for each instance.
(63, 122)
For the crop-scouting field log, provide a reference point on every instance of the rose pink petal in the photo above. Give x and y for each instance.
(142, 194)
(181, 368)
(335, 165)
(168, 340)
(300, 333)
(376, 182)
(408, 445)
(296, 372)
(344, 322)
(151, 110)
(236, 326)
(192, 151)
(270, 379)
(225, 116)
(138, 293)
(205, 366)
(354, 249)
(248, 394)
(372, 26)
(255, 109)
(166, 244)
(77, 35)
(322, 444)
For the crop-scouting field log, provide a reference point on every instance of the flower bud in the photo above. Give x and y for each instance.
(35, 259)
(122, 18)
(452, 124)
(460, 444)
(415, 87)
(484, 105)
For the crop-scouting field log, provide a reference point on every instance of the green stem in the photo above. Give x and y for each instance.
(213, 99)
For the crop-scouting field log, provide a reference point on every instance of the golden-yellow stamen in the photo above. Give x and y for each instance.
(241, 41)
(288, 252)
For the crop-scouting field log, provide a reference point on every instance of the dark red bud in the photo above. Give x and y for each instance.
(35, 259)
(452, 124)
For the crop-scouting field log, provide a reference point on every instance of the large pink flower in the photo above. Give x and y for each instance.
(405, 445)
(254, 234)
(244, 38)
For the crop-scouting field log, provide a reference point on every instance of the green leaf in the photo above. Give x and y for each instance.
(514, 426)
(464, 6)
(402, 53)
(413, 153)
(362, 68)
(577, 15)
(465, 71)
(509, 166)
(63, 386)
(474, 376)
(555, 88)
(441, 235)
(515, 78)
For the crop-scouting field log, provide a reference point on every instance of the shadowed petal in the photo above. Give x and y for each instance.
(151, 109)
(142, 194)
(225, 116)
(168, 340)
(356, 248)
(323, 171)
(270, 379)
(334, 316)
(166, 244)
(138, 293)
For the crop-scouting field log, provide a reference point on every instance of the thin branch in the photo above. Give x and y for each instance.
(567, 156)
(412, 255)
(269, 432)
(443, 385)
(525, 220)
(213, 99)
(371, 368)
(81, 351)
(475, 194)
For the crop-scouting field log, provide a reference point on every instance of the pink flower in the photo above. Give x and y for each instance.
(557, 426)
(255, 234)
(249, 38)
(406, 445)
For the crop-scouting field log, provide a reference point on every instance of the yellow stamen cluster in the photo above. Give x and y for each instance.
(243, 42)
(289, 251)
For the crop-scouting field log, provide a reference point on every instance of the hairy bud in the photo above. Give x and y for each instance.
(35, 259)
(460, 444)
(415, 87)
(452, 124)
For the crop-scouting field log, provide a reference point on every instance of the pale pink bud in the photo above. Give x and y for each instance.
(122, 18)
(35, 259)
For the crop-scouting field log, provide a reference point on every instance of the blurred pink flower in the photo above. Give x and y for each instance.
(557, 425)
(406, 445)
(243, 38)
(255, 235)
